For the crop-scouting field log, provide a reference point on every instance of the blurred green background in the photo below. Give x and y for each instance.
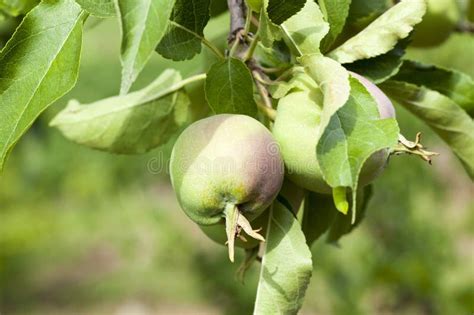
(86, 232)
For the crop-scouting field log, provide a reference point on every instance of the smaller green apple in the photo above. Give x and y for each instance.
(296, 129)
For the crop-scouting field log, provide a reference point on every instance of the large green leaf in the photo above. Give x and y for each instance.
(286, 265)
(143, 23)
(281, 10)
(382, 34)
(454, 84)
(229, 88)
(99, 8)
(333, 80)
(335, 12)
(183, 38)
(353, 134)
(383, 67)
(38, 65)
(443, 115)
(129, 124)
(306, 29)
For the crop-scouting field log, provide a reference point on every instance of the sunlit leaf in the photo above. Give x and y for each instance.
(183, 39)
(306, 29)
(332, 79)
(229, 88)
(99, 8)
(129, 124)
(353, 134)
(143, 23)
(382, 34)
(38, 65)
(286, 265)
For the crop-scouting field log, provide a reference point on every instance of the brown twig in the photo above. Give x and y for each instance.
(465, 27)
(237, 11)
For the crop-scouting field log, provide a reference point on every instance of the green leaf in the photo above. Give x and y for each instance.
(255, 5)
(286, 265)
(281, 10)
(269, 32)
(339, 196)
(354, 133)
(38, 65)
(363, 12)
(129, 124)
(383, 67)
(443, 115)
(278, 56)
(143, 23)
(454, 84)
(98, 8)
(183, 39)
(333, 80)
(299, 81)
(229, 88)
(383, 34)
(306, 29)
(342, 224)
(335, 12)
(318, 216)
(17, 7)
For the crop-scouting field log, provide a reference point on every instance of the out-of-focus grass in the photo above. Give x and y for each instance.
(83, 231)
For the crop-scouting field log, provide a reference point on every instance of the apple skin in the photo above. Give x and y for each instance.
(296, 130)
(437, 24)
(225, 160)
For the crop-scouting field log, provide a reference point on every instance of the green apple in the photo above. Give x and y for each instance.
(296, 130)
(437, 24)
(226, 168)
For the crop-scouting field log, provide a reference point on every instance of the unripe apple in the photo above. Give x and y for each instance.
(296, 130)
(226, 168)
(437, 24)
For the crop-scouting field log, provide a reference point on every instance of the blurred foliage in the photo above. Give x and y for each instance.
(87, 232)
